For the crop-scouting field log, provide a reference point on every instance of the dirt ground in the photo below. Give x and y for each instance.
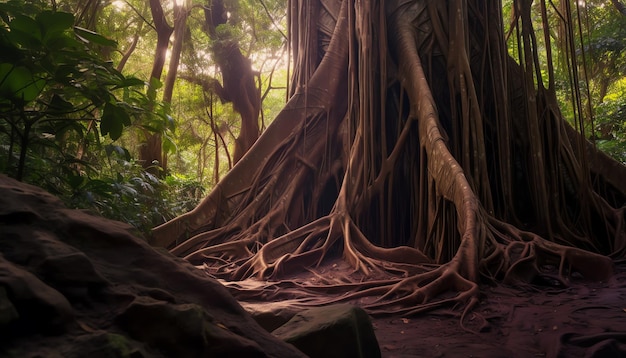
(581, 320)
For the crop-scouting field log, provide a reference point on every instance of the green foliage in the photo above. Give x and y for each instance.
(605, 50)
(72, 123)
(603, 44)
(54, 87)
(124, 191)
(610, 123)
(61, 108)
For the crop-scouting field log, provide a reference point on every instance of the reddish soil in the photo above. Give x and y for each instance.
(582, 320)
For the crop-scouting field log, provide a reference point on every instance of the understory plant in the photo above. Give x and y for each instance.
(62, 109)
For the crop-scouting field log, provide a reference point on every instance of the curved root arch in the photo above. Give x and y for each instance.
(391, 177)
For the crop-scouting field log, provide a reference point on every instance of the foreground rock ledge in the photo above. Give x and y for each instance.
(75, 285)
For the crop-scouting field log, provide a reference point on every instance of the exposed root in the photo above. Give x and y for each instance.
(525, 253)
(384, 185)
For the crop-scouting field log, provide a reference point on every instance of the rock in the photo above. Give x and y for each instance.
(40, 308)
(76, 285)
(184, 330)
(103, 345)
(271, 315)
(72, 274)
(8, 313)
(333, 331)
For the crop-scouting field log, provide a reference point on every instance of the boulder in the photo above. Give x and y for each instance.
(183, 330)
(76, 285)
(105, 345)
(8, 313)
(271, 315)
(340, 330)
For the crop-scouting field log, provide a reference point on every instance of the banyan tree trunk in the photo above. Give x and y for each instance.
(416, 154)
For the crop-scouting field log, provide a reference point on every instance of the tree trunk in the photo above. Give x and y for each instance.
(418, 154)
(180, 28)
(238, 78)
(619, 6)
(151, 152)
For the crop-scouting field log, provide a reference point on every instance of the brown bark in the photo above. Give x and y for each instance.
(619, 6)
(180, 27)
(129, 51)
(419, 155)
(151, 151)
(238, 79)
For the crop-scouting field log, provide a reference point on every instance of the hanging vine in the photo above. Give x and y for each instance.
(417, 157)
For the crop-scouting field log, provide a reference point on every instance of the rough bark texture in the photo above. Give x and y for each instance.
(416, 154)
(151, 151)
(238, 79)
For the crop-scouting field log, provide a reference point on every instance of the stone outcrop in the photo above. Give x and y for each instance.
(340, 330)
(76, 285)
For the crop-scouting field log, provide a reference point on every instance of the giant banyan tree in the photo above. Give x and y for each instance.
(415, 160)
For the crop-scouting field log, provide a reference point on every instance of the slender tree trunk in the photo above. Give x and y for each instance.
(619, 6)
(151, 151)
(238, 79)
(180, 27)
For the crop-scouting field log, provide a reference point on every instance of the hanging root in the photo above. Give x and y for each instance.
(264, 232)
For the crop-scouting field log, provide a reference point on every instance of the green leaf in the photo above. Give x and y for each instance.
(169, 146)
(120, 151)
(130, 82)
(19, 83)
(75, 181)
(170, 122)
(54, 26)
(113, 120)
(89, 36)
(99, 187)
(52, 21)
(59, 105)
(25, 31)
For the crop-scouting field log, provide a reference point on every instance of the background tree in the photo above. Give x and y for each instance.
(260, 47)
(151, 151)
(65, 108)
(418, 153)
(604, 48)
(238, 79)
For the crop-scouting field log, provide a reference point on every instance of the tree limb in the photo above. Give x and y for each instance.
(619, 6)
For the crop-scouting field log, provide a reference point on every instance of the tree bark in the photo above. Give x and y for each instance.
(619, 6)
(180, 28)
(151, 151)
(418, 154)
(238, 79)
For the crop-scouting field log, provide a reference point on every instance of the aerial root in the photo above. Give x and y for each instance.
(233, 250)
(525, 250)
(417, 293)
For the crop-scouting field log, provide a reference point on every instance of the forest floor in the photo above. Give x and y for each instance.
(82, 286)
(582, 320)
